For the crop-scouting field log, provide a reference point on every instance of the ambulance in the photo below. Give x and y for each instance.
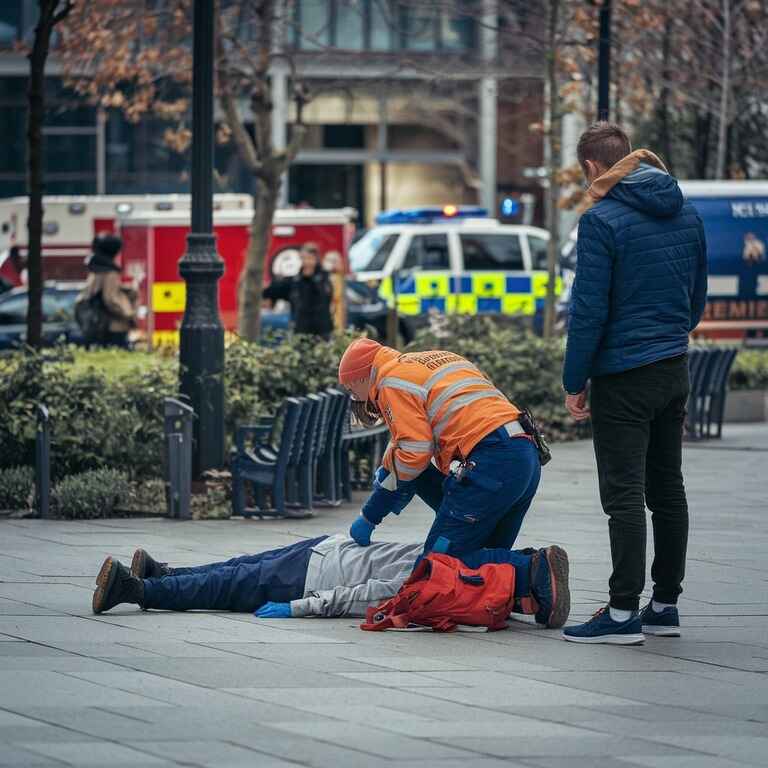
(70, 223)
(155, 241)
(454, 260)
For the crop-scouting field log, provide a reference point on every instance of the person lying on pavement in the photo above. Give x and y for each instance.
(329, 576)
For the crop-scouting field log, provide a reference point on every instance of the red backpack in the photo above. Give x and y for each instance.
(442, 593)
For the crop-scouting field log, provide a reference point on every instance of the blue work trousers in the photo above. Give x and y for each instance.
(485, 507)
(241, 584)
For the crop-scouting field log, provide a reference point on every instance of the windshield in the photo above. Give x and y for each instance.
(370, 252)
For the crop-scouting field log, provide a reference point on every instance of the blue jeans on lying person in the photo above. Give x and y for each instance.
(241, 584)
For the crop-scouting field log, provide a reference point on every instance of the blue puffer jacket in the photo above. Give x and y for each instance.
(641, 275)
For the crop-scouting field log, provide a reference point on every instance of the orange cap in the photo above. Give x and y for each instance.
(356, 362)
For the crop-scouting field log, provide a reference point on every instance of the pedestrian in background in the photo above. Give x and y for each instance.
(334, 266)
(309, 294)
(640, 289)
(13, 269)
(105, 293)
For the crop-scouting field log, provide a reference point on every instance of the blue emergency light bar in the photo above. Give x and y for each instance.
(430, 214)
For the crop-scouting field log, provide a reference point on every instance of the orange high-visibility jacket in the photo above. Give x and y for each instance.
(435, 404)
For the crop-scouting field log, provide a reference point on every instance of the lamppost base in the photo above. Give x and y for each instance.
(201, 350)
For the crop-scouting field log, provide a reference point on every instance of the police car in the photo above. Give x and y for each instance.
(454, 260)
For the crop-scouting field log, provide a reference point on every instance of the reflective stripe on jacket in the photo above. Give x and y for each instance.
(435, 404)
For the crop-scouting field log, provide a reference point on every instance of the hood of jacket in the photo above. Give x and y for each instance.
(641, 181)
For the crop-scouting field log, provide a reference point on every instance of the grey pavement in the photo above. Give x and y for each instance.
(209, 689)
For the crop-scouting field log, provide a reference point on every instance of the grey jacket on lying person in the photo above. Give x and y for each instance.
(344, 579)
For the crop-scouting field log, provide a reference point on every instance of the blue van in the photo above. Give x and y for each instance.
(735, 216)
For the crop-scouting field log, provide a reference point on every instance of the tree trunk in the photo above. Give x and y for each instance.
(703, 122)
(35, 185)
(663, 108)
(252, 276)
(552, 153)
(725, 86)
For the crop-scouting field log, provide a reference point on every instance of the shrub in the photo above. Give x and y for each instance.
(106, 409)
(17, 488)
(525, 367)
(88, 495)
(750, 370)
(103, 419)
(96, 421)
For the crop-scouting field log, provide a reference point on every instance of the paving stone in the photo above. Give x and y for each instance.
(580, 744)
(14, 755)
(213, 754)
(87, 753)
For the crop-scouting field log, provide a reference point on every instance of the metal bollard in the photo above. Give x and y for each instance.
(43, 462)
(178, 457)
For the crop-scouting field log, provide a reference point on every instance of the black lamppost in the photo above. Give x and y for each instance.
(202, 335)
(604, 63)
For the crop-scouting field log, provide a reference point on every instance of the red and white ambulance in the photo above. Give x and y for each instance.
(154, 229)
(155, 241)
(70, 223)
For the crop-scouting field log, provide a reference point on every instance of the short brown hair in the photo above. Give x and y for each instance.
(603, 143)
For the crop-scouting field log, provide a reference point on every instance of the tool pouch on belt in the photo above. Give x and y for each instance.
(527, 422)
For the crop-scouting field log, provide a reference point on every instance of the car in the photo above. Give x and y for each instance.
(454, 260)
(59, 322)
(366, 311)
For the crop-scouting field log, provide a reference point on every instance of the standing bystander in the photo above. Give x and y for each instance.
(640, 289)
(106, 295)
(309, 293)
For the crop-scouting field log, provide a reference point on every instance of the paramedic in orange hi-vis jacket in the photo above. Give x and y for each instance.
(441, 409)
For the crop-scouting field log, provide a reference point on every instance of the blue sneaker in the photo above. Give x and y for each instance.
(664, 624)
(601, 628)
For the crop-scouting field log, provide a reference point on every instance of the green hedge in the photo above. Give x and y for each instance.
(100, 419)
(525, 367)
(88, 495)
(106, 411)
(96, 421)
(750, 370)
(17, 488)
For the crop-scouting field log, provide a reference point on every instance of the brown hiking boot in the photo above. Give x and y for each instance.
(116, 585)
(549, 586)
(144, 566)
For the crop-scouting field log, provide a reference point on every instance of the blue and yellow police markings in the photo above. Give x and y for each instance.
(473, 293)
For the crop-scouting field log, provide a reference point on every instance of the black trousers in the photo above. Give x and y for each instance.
(637, 419)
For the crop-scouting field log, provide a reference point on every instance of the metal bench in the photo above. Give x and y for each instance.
(265, 463)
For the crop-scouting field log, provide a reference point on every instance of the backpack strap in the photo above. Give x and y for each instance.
(393, 614)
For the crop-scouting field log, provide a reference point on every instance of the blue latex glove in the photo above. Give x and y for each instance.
(387, 496)
(274, 611)
(361, 531)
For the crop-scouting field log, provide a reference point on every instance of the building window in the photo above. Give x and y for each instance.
(383, 25)
(349, 26)
(10, 22)
(313, 24)
(419, 28)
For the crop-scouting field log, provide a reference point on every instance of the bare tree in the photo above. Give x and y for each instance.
(133, 55)
(51, 13)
